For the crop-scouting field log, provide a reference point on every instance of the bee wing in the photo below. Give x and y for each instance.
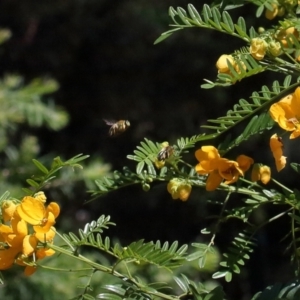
(109, 122)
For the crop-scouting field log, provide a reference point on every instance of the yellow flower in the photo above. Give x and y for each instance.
(229, 170)
(34, 212)
(276, 148)
(286, 112)
(258, 48)
(271, 14)
(220, 169)
(179, 189)
(208, 157)
(17, 246)
(262, 173)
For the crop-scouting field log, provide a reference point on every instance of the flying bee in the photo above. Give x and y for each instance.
(118, 127)
(165, 152)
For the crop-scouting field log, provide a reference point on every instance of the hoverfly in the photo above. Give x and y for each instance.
(165, 152)
(117, 127)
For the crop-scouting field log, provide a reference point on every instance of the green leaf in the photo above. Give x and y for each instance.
(40, 166)
(216, 294)
(88, 297)
(4, 196)
(115, 289)
(181, 284)
(228, 21)
(295, 167)
(219, 274)
(108, 296)
(140, 167)
(202, 261)
(32, 183)
(163, 37)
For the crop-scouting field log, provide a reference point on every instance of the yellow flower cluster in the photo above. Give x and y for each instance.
(220, 169)
(21, 244)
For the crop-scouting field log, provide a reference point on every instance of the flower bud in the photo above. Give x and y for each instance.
(274, 48)
(146, 187)
(258, 48)
(179, 189)
(271, 14)
(222, 63)
(8, 208)
(261, 172)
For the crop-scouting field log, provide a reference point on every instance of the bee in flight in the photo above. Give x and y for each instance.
(165, 152)
(118, 127)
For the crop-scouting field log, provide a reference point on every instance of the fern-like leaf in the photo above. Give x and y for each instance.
(212, 18)
(154, 254)
(145, 155)
(238, 252)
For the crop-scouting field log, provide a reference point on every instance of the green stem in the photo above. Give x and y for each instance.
(108, 270)
(295, 244)
(282, 186)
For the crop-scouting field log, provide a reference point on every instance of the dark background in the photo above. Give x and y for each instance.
(102, 54)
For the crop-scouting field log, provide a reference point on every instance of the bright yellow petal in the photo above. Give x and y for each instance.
(276, 146)
(287, 124)
(283, 113)
(47, 223)
(7, 258)
(29, 270)
(8, 208)
(19, 226)
(54, 208)
(47, 237)
(29, 245)
(244, 162)
(295, 104)
(203, 167)
(43, 252)
(280, 163)
(31, 210)
(213, 181)
(295, 133)
(207, 153)
(265, 174)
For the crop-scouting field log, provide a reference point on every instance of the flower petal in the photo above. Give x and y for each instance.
(31, 210)
(213, 181)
